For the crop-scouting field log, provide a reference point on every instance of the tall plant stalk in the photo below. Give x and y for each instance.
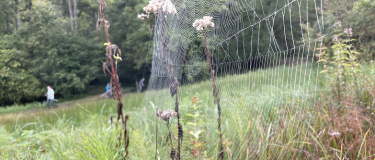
(173, 89)
(113, 50)
(214, 92)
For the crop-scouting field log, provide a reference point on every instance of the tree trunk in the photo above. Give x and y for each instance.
(8, 23)
(17, 14)
(62, 8)
(96, 26)
(71, 15)
(30, 5)
(75, 14)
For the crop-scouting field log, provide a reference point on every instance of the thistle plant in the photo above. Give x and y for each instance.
(202, 25)
(113, 51)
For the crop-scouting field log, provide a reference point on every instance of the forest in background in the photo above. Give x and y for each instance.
(57, 43)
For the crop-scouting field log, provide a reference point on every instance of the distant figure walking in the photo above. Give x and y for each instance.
(140, 84)
(50, 97)
(108, 91)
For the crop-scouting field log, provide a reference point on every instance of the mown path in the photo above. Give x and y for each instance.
(5, 117)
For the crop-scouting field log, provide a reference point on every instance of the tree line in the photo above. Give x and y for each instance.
(57, 42)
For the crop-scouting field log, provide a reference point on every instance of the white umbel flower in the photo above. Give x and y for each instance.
(154, 6)
(201, 24)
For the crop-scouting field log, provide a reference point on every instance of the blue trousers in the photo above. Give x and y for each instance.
(140, 88)
(50, 101)
(108, 94)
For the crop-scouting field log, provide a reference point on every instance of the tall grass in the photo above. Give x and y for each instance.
(276, 119)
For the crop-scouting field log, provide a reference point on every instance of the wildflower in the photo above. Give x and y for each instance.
(336, 39)
(201, 24)
(165, 6)
(348, 31)
(196, 152)
(194, 99)
(166, 115)
(143, 16)
(155, 6)
(372, 61)
(337, 24)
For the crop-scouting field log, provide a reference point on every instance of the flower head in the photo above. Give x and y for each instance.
(166, 115)
(201, 24)
(155, 5)
(336, 39)
(194, 99)
(143, 16)
(165, 6)
(337, 24)
(348, 31)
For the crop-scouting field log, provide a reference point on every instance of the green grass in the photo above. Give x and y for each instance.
(92, 93)
(264, 116)
(21, 107)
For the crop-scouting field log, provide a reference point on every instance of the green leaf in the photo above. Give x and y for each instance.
(191, 123)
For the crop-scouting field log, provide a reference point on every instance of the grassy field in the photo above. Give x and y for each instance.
(276, 113)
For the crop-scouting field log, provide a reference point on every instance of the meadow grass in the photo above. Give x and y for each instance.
(16, 108)
(275, 113)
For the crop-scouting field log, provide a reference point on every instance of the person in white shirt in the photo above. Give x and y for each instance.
(50, 97)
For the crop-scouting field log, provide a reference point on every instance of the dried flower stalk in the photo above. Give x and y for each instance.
(113, 51)
(201, 25)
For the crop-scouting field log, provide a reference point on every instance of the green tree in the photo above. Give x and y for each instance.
(356, 14)
(133, 37)
(6, 17)
(16, 82)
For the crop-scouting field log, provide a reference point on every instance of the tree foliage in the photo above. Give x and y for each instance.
(356, 14)
(44, 50)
